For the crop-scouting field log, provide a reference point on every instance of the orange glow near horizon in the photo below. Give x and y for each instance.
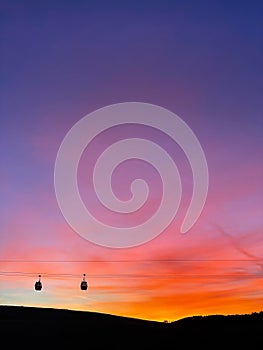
(171, 277)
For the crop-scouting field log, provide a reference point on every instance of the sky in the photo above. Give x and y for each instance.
(202, 60)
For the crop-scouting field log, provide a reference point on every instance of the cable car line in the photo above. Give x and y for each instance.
(84, 284)
(128, 275)
(127, 260)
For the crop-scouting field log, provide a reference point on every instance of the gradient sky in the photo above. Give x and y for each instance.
(61, 60)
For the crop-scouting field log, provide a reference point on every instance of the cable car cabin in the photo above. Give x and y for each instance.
(84, 283)
(38, 284)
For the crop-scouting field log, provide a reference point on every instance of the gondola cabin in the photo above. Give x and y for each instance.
(38, 284)
(84, 283)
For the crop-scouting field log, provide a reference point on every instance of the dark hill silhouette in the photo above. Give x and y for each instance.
(29, 326)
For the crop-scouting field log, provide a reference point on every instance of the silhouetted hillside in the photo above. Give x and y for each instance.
(30, 326)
